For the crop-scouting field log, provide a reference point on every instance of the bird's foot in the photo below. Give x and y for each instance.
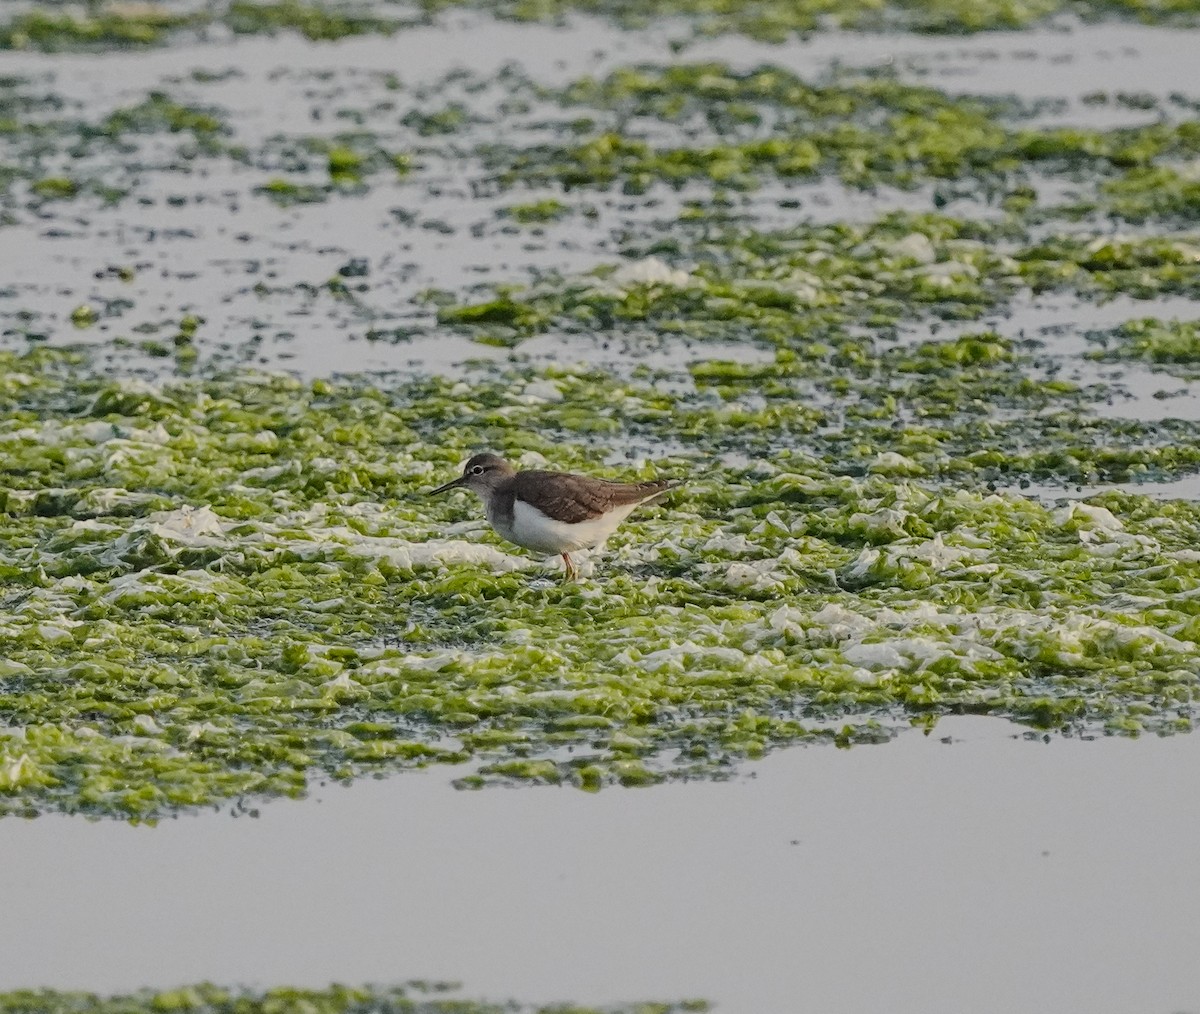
(569, 571)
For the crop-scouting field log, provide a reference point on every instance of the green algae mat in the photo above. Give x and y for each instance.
(228, 586)
(827, 279)
(418, 998)
(222, 581)
(117, 25)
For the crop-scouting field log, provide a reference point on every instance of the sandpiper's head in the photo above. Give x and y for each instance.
(482, 474)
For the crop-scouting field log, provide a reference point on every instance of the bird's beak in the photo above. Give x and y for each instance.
(452, 484)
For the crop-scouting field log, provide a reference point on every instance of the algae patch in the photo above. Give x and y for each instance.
(130, 26)
(412, 998)
(117, 26)
(232, 586)
(649, 126)
(781, 20)
(1170, 344)
(789, 286)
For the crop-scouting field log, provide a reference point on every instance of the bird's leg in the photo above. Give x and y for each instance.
(569, 571)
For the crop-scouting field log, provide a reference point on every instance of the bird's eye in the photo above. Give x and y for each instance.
(477, 470)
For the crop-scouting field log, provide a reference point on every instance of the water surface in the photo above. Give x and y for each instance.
(989, 874)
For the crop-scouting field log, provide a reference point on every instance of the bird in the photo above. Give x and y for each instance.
(552, 512)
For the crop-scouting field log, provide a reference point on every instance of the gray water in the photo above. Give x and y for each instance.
(989, 874)
(204, 242)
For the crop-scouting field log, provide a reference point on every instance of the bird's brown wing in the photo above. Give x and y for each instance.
(575, 498)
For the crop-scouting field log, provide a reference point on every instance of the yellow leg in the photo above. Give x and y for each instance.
(569, 571)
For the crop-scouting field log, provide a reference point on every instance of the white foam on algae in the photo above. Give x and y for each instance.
(932, 552)
(343, 684)
(540, 392)
(139, 583)
(890, 641)
(406, 555)
(649, 271)
(147, 725)
(695, 658)
(16, 771)
(304, 535)
(892, 463)
(759, 575)
(915, 246)
(203, 730)
(194, 525)
(1086, 515)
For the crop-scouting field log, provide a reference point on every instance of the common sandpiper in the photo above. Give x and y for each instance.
(552, 512)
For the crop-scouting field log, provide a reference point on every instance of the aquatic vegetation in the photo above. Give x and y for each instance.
(728, 100)
(159, 112)
(780, 287)
(789, 287)
(549, 210)
(1154, 193)
(40, 29)
(431, 123)
(120, 26)
(1097, 267)
(353, 157)
(65, 155)
(218, 587)
(412, 998)
(779, 20)
(736, 129)
(108, 155)
(55, 188)
(316, 21)
(126, 26)
(639, 130)
(1156, 341)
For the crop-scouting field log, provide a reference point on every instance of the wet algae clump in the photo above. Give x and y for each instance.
(227, 586)
(1173, 344)
(789, 286)
(121, 26)
(230, 584)
(413, 998)
(52, 30)
(641, 130)
(650, 127)
(116, 26)
(779, 20)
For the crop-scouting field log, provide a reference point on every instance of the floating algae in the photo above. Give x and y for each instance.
(217, 587)
(786, 287)
(1172, 345)
(229, 585)
(717, 172)
(120, 26)
(412, 998)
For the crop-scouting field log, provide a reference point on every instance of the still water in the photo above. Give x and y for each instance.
(969, 870)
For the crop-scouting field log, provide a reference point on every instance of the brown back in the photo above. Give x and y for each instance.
(574, 498)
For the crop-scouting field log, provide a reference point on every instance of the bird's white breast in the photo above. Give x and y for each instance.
(534, 530)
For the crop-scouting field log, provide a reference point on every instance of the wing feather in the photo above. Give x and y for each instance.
(574, 498)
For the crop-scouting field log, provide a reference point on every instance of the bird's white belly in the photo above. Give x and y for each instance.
(534, 530)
